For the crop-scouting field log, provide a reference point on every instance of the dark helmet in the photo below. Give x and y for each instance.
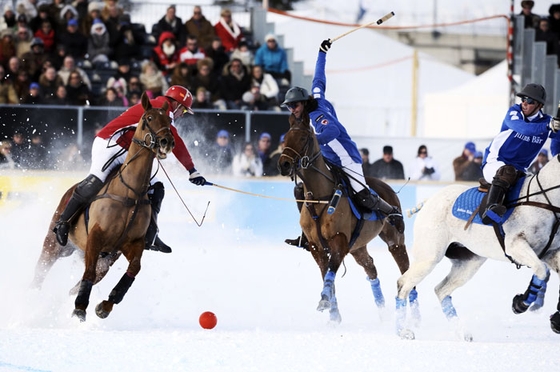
(295, 94)
(534, 91)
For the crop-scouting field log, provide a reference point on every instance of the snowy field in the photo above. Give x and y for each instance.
(264, 294)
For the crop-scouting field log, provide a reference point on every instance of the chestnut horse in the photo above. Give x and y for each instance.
(332, 235)
(118, 217)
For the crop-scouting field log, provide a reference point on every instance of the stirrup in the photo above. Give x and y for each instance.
(493, 213)
(61, 230)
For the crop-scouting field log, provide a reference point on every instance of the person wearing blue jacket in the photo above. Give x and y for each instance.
(524, 132)
(273, 59)
(336, 145)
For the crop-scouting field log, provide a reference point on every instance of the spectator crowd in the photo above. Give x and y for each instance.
(90, 52)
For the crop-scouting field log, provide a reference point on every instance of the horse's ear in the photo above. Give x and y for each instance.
(165, 106)
(146, 104)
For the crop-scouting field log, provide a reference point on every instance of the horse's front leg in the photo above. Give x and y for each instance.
(338, 249)
(134, 255)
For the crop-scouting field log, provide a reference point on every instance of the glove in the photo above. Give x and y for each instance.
(325, 45)
(555, 124)
(428, 171)
(196, 177)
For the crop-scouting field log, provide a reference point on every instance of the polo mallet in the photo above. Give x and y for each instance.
(378, 22)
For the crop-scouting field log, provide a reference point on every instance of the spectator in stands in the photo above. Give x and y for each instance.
(33, 96)
(235, 81)
(54, 11)
(366, 165)
(75, 42)
(253, 100)
(93, 12)
(99, 48)
(208, 79)
(202, 99)
(67, 13)
(166, 54)
(274, 157)
(43, 14)
(228, 31)
(8, 20)
(34, 59)
(268, 88)
(23, 41)
(19, 146)
(134, 84)
(218, 55)
(7, 92)
(7, 46)
(48, 35)
(49, 81)
(473, 171)
(77, 90)
(274, 60)
(111, 10)
(191, 53)
(551, 39)
(120, 89)
(244, 54)
(6, 160)
(423, 167)
(387, 167)
(21, 21)
(531, 19)
(13, 68)
(69, 66)
(111, 98)
(27, 8)
(71, 159)
(542, 159)
(554, 19)
(36, 153)
(181, 76)
(122, 76)
(201, 28)
(220, 154)
(264, 149)
(134, 97)
(21, 84)
(60, 98)
(153, 80)
(128, 41)
(171, 23)
(247, 163)
(461, 163)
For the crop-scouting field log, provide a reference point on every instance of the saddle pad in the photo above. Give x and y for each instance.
(469, 200)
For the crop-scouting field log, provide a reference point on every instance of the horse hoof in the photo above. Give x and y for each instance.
(555, 322)
(324, 305)
(80, 314)
(406, 334)
(518, 305)
(101, 311)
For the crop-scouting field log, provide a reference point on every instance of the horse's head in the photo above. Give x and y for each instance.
(154, 129)
(299, 149)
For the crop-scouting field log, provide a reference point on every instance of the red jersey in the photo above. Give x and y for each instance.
(130, 119)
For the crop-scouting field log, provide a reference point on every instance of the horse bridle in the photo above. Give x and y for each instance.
(151, 140)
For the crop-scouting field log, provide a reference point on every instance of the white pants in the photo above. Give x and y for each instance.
(356, 175)
(100, 154)
(490, 169)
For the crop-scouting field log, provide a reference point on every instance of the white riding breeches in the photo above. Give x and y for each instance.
(490, 169)
(356, 174)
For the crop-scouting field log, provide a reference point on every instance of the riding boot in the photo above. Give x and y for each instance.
(82, 195)
(300, 241)
(152, 239)
(505, 176)
(495, 210)
(372, 202)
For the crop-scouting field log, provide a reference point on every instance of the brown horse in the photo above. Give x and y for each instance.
(332, 235)
(118, 217)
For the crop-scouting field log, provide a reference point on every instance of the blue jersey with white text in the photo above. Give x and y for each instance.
(520, 139)
(331, 134)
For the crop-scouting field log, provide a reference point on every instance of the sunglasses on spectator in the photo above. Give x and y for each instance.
(529, 100)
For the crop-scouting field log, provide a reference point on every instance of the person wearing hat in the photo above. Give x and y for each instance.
(336, 145)
(74, 41)
(525, 129)
(273, 59)
(34, 96)
(540, 162)
(109, 150)
(462, 162)
(220, 155)
(531, 19)
(387, 167)
(264, 149)
(9, 20)
(33, 60)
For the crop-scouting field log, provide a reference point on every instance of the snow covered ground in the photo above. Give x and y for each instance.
(264, 294)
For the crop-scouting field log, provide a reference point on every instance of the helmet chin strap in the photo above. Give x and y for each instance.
(179, 111)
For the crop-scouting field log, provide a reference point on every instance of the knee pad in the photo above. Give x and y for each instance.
(505, 174)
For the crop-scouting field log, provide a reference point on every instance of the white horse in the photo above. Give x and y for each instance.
(530, 238)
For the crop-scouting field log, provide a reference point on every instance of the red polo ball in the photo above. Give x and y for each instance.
(208, 320)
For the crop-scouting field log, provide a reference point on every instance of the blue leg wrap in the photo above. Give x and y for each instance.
(377, 293)
(400, 303)
(412, 296)
(448, 308)
(534, 288)
(328, 283)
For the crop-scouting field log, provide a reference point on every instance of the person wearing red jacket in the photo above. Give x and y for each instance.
(229, 31)
(166, 54)
(110, 146)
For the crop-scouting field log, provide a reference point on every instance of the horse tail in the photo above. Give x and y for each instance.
(410, 212)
